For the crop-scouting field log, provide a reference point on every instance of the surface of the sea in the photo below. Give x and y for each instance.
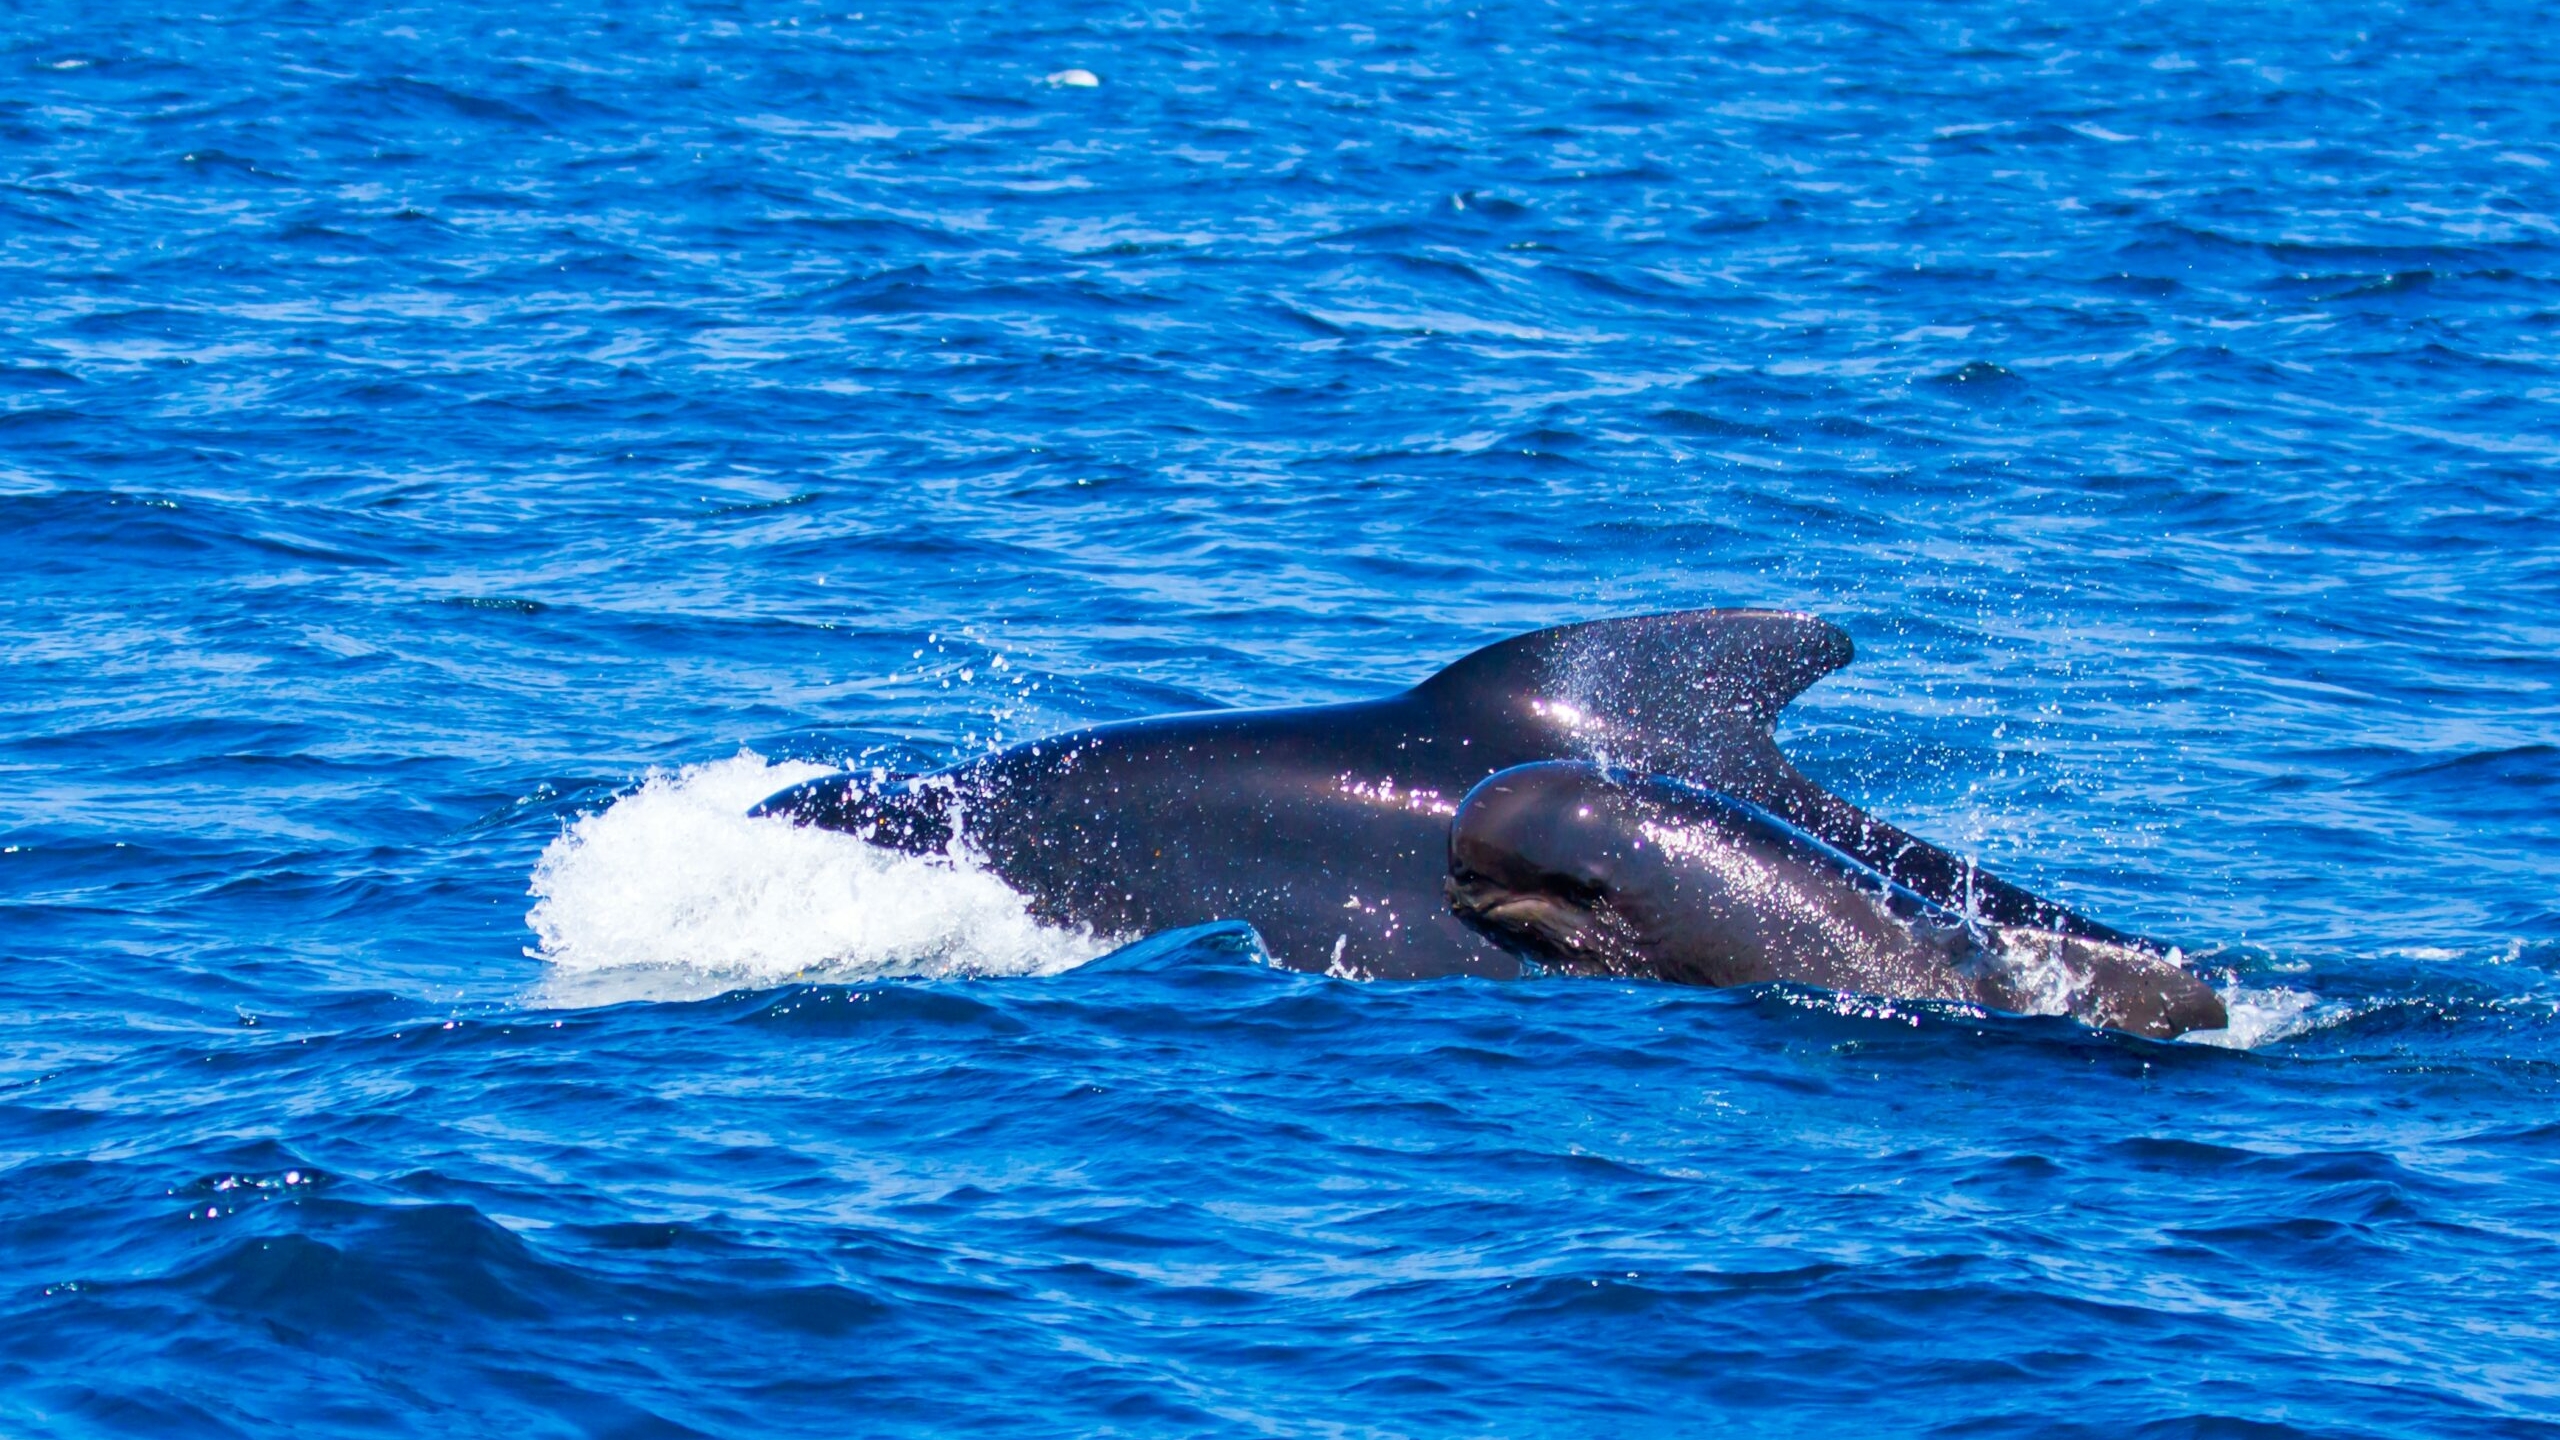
(454, 458)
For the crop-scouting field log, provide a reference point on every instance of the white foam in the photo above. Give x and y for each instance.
(2260, 1016)
(672, 890)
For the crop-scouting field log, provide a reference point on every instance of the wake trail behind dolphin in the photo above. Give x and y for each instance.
(672, 891)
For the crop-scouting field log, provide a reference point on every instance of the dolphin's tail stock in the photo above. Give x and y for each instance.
(1694, 694)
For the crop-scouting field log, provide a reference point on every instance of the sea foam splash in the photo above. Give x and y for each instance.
(2262, 1015)
(673, 889)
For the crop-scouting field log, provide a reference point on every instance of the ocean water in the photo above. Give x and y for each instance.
(454, 458)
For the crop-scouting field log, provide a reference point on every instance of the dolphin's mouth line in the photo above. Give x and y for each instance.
(1573, 931)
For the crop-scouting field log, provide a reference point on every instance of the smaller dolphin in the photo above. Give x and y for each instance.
(1593, 870)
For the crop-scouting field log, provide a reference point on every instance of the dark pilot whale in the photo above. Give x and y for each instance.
(1327, 827)
(1596, 871)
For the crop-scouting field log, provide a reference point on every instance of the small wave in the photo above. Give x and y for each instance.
(2262, 1016)
(673, 890)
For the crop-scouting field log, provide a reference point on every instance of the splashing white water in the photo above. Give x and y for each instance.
(672, 889)
(2261, 1016)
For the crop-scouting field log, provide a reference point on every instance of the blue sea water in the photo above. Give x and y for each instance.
(453, 458)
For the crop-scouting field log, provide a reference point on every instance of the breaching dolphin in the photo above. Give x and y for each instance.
(1327, 827)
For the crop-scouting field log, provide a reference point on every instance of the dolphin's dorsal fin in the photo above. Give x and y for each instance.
(1657, 692)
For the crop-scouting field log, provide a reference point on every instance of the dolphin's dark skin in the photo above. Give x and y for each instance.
(1602, 872)
(1327, 827)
